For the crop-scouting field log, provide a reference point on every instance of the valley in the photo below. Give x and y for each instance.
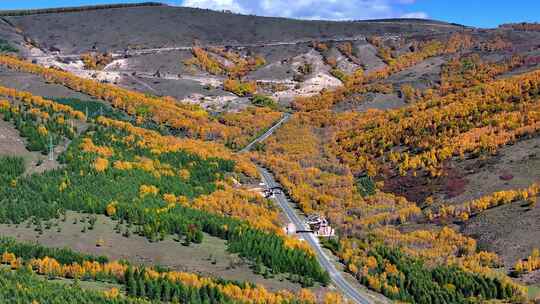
(171, 164)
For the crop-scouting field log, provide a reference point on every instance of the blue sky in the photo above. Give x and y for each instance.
(481, 13)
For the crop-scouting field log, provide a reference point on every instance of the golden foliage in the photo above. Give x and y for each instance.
(158, 144)
(530, 264)
(248, 123)
(4, 105)
(230, 63)
(205, 62)
(101, 164)
(472, 121)
(239, 87)
(241, 204)
(473, 207)
(251, 294)
(37, 101)
(96, 61)
(188, 118)
(112, 293)
(110, 210)
(145, 190)
(88, 146)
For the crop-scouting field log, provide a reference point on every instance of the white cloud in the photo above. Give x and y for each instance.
(420, 15)
(219, 5)
(314, 9)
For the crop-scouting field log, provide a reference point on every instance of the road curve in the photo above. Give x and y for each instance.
(285, 204)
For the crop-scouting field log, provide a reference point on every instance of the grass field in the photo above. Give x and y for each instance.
(534, 291)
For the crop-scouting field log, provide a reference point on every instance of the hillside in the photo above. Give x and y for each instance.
(165, 26)
(168, 148)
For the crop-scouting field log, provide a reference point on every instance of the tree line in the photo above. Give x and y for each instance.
(75, 9)
(153, 283)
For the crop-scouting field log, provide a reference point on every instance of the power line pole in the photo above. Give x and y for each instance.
(51, 148)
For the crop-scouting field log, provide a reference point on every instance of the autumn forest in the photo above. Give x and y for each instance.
(152, 171)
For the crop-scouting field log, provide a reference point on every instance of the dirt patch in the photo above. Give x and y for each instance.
(10, 141)
(317, 79)
(165, 62)
(12, 144)
(521, 161)
(279, 59)
(514, 167)
(367, 54)
(381, 102)
(422, 76)
(36, 85)
(510, 230)
(177, 88)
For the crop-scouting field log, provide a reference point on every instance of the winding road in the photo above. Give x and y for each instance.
(357, 296)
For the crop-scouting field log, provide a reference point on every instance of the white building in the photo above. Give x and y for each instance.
(290, 229)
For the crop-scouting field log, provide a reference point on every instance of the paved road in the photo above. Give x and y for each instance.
(286, 206)
(337, 278)
(286, 117)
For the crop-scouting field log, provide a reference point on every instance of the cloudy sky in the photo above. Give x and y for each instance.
(315, 9)
(480, 13)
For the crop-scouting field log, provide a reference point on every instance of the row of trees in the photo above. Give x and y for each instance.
(24, 287)
(218, 61)
(465, 210)
(155, 283)
(91, 108)
(188, 119)
(523, 26)
(403, 278)
(75, 9)
(138, 284)
(530, 264)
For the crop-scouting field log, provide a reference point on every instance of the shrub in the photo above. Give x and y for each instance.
(264, 101)
(6, 47)
(240, 88)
